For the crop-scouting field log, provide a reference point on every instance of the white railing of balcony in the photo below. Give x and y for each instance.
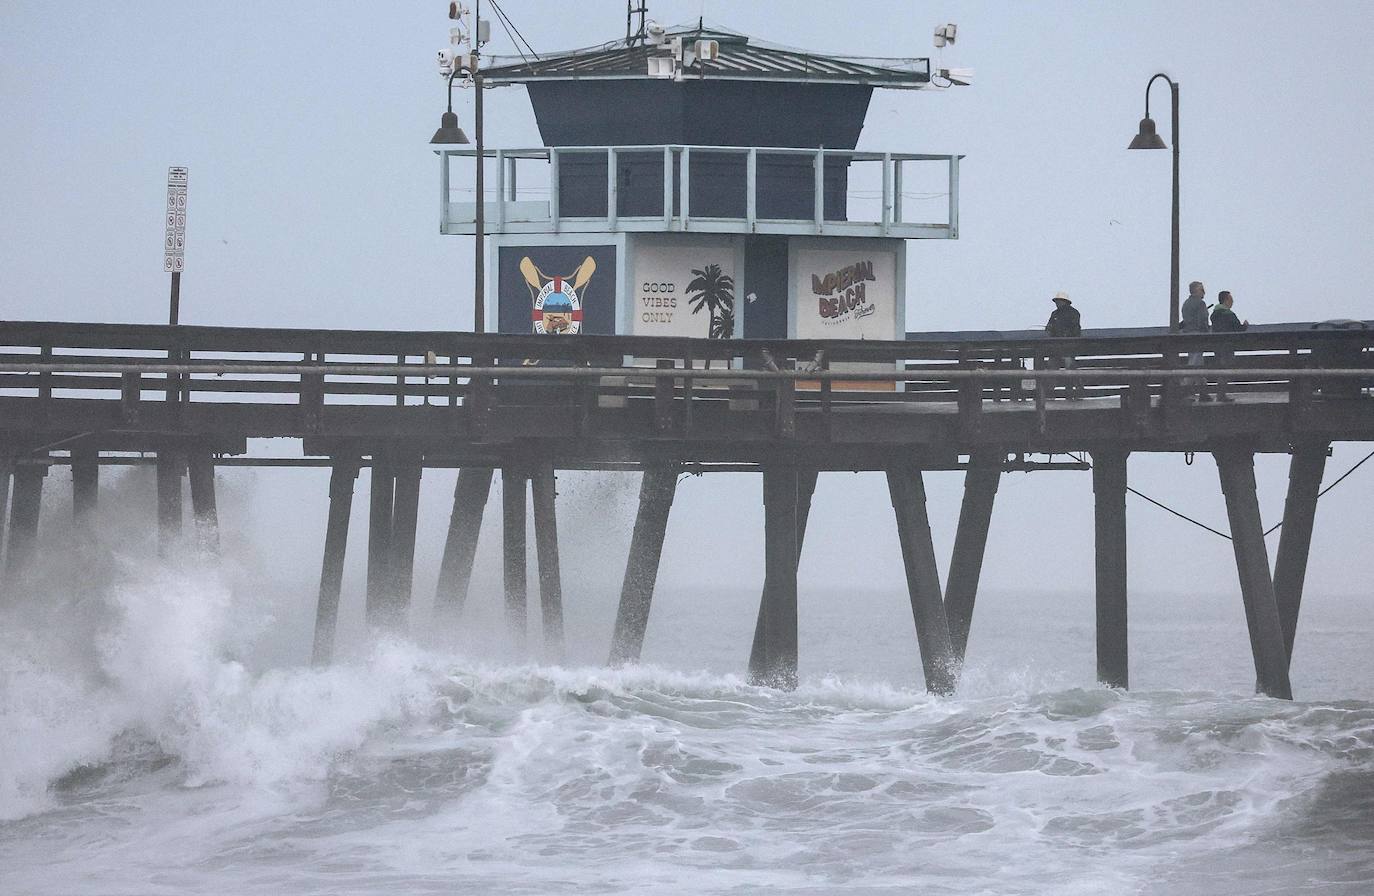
(505, 211)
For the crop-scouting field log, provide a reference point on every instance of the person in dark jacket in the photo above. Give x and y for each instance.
(1194, 313)
(1065, 321)
(1224, 320)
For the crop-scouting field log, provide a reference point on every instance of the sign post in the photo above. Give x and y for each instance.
(174, 256)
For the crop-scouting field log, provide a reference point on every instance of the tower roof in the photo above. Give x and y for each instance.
(741, 58)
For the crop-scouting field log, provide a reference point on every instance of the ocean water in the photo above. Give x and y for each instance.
(159, 733)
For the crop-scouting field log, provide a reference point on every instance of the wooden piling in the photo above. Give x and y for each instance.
(470, 495)
(806, 488)
(544, 488)
(1236, 467)
(379, 527)
(1305, 472)
(169, 470)
(200, 468)
(404, 520)
(970, 543)
(27, 504)
(85, 487)
(656, 491)
(514, 553)
(781, 521)
(341, 479)
(908, 494)
(6, 473)
(1109, 538)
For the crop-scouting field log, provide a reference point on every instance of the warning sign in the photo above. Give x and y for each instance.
(174, 245)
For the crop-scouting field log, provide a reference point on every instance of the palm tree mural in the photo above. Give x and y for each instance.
(713, 289)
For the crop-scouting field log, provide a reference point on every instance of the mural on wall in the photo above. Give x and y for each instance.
(714, 290)
(843, 294)
(684, 290)
(556, 290)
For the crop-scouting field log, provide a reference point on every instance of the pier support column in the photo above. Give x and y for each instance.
(404, 519)
(169, 470)
(908, 493)
(758, 653)
(379, 524)
(1109, 539)
(514, 553)
(544, 487)
(470, 495)
(341, 479)
(6, 473)
(200, 468)
(85, 487)
(1236, 466)
(970, 543)
(656, 492)
(781, 522)
(26, 506)
(1305, 472)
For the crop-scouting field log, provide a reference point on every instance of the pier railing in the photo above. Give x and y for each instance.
(706, 189)
(314, 369)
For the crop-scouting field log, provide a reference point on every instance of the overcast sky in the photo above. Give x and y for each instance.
(313, 202)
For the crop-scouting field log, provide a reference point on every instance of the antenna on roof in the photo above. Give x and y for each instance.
(635, 35)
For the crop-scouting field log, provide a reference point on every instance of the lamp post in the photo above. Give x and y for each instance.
(450, 133)
(1147, 138)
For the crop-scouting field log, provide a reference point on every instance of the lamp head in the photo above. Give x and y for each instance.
(449, 132)
(1147, 138)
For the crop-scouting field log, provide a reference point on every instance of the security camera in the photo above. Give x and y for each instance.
(455, 10)
(446, 62)
(944, 34)
(962, 77)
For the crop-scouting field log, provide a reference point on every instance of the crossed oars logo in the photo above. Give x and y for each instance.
(557, 302)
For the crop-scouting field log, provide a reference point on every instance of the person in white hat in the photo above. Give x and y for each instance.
(1065, 321)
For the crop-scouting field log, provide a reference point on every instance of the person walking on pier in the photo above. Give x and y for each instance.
(1195, 321)
(1224, 320)
(1065, 321)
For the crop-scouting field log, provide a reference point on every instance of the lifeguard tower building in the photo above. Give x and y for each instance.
(695, 182)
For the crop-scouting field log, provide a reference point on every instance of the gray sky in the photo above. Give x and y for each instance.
(313, 202)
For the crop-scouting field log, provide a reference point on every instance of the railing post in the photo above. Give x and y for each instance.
(684, 203)
(553, 187)
(500, 190)
(886, 213)
(897, 191)
(751, 186)
(667, 187)
(612, 188)
(443, 190)
(818, 164)
(663, 398)
(953, 197)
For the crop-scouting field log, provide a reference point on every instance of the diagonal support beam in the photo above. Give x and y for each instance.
(470, 495)
(970, 542)
(908, 493)
(1236, 467)
(341, 479)
(656, 492)
(1305, 473)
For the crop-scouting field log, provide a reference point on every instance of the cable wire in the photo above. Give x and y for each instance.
(1083, 459)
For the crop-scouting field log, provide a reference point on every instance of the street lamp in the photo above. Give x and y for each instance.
(1147, 138)
(448, 134)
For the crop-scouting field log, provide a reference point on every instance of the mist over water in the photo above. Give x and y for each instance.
(153, 740)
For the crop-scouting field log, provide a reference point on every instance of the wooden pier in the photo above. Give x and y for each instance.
(188, 399)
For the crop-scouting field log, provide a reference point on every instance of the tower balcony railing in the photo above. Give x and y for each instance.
(703, 189)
